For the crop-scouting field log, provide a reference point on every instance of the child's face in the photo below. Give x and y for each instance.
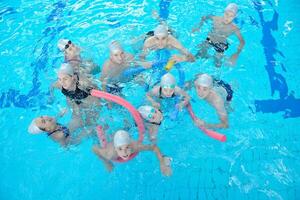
(161, 41)
(117, 56)
(45, 123)
(228, 17)
(71, 50)
(155, 116)
(124, 151)
(202, 91)
(66, 81)
(168, 90)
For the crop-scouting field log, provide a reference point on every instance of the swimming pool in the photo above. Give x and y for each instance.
(258, 161)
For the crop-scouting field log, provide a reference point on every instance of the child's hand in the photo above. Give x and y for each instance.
(176, 58)
(232, 60)
(180, 106)
(190, 57)
(156, 105)
(165, 166)
(109, 166)
(166, 170)
(200, 123)
(147, 65)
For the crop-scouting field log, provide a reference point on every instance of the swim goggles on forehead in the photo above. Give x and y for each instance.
(151, 114)
(169, 86)
(68, 44)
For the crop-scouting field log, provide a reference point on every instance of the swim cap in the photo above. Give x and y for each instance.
(167, 80)
(232, 7)
(121, 138)
(145, 111)
(115, 46)
(204, 80)
(66, 68)
(33, 128)
(62, 44)
(161, 30)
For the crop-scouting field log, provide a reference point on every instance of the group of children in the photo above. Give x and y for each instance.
(75, 81)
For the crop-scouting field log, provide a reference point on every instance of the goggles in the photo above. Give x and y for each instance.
(169, 86)
(151, 114)
(68, 44)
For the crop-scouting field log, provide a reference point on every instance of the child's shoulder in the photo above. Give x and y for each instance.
(149, 42)
(215, 18)
(234, 27)
(107, 63)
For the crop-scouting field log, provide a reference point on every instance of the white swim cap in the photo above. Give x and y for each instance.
(66, 68)
(115, 46)
(232, 7)
(204, 80)
(121, 138)
(62, 44)
(167, 80)
(33, 128)
(161, 30)
(145, 111)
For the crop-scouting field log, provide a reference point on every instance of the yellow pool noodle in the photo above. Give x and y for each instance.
(169, 65)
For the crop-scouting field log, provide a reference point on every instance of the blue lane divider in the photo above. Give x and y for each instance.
(113, 21)
(164, 9)
(287, 103)
(36, 98)
(7, 11)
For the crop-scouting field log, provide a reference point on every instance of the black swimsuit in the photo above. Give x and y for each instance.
(158, 124)
(64, 129)
(76, 95)
(218, 46)
(114, 88)
(226, 86)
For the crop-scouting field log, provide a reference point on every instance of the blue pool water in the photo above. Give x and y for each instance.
(260, 159)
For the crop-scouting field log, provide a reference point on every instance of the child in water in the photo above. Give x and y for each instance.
(112, 73)
(72, 56)
(223, 27)
(56, 131)
(217, 93)
(161, 39)
(153, 118)
(76, 88)
(123, 149)
(168, 89)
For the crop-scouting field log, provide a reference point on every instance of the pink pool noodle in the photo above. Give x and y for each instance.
(211, 133)
(116, 99)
